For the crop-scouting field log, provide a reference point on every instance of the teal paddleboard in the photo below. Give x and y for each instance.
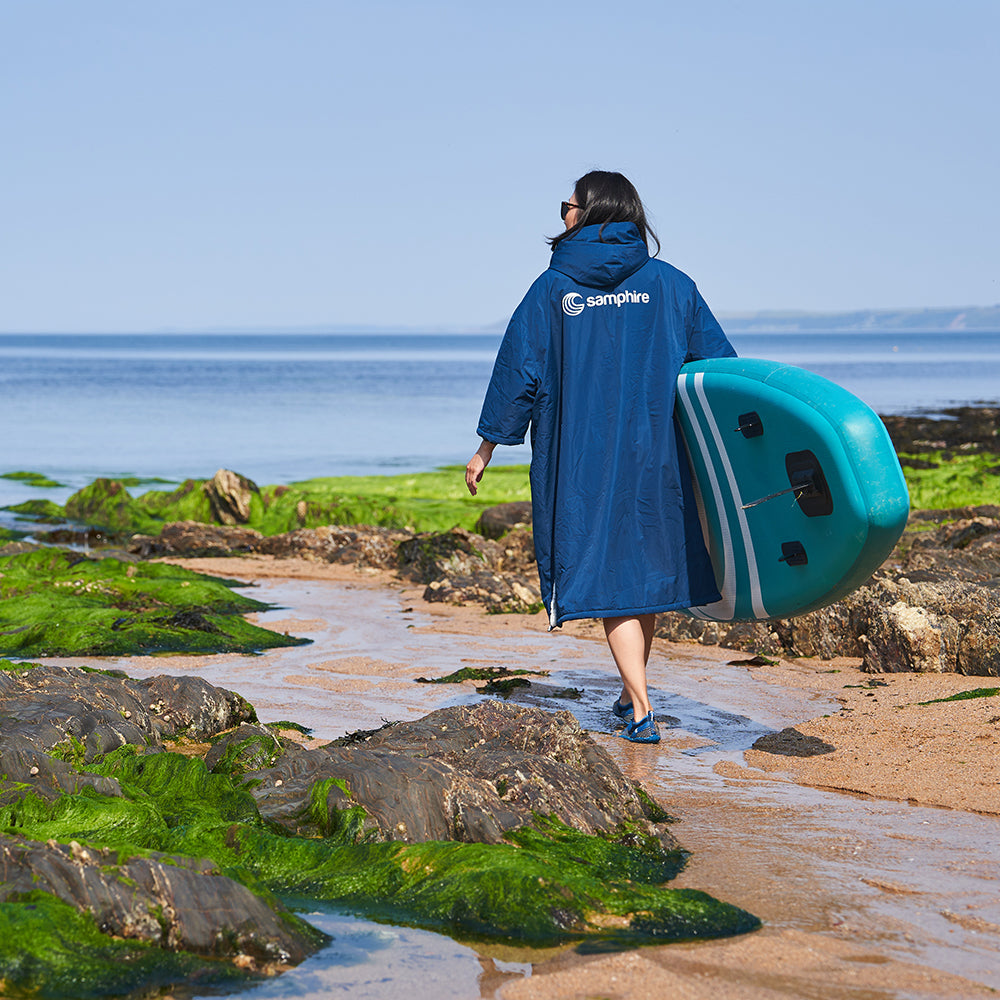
(799, 490)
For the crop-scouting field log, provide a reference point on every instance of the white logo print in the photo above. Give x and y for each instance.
(573, 303)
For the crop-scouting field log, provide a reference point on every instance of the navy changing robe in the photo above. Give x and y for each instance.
(590, 361)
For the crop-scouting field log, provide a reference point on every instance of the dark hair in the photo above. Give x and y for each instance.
(606, 196)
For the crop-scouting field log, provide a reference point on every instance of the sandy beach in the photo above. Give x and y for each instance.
(863, 828)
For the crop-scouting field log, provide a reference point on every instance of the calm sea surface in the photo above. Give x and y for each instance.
(282, 407)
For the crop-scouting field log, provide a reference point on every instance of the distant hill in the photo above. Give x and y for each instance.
(968, 318)
(767, 321)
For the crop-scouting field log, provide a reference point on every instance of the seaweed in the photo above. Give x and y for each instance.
(546, 884)
(36, 480)
(39, 510)
(59, 603)
(505, 687)
(49, 949)
(964, 696)
(479, 674)
(946, 480)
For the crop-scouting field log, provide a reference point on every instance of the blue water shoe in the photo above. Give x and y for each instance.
(643, 731)
(623, 712)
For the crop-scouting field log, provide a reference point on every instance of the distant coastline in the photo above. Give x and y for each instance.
(973, 318)
(903, 320)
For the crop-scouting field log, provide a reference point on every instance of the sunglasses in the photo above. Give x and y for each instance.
(564, 208)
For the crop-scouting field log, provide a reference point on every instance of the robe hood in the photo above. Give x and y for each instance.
(601, 259)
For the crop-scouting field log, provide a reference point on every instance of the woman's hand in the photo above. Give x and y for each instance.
(477, 465)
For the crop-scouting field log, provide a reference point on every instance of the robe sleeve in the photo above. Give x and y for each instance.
(510, 398)
(705, 336)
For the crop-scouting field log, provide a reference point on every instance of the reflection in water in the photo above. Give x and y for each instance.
(367, 961)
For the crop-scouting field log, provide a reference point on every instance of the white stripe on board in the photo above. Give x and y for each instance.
(723, 609)
(756, 599)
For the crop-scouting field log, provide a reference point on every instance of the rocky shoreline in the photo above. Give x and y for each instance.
(157, 822)
(933, 606)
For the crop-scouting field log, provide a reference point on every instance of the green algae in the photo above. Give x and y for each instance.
(504, 687)
(255, 753)
(49, 950)
(952, 480)
(16, 668)
(38, 510)
(106, 503)
(37, 480)
(430, 501)
(479, 674)
(546, 884)
(651, 809)
(964, 696)
(285, 724)
(144, 480)
(57, 603)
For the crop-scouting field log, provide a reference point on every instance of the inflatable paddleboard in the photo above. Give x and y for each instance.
(800, 493)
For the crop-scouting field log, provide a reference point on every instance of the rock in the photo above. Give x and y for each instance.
(495, 522)
(46, 776)
(105, 503)
(75, 714)
(756, 637)
(359, 545)
(518, 553)
(460, 567)
(81, 715)
(979, 647)
(249, 747)
(975, 428)
(177, 903)
(229, 496)
(466, 773)
(191, 707)
(792, 743)
(192, 538)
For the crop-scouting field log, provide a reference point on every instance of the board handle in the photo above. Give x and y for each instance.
(750, 424)
(793, 553)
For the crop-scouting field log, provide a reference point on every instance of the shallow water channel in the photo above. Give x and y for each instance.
(912, 883)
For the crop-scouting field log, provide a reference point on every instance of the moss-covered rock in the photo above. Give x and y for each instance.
(59, 603)
(49, 949)
(143, 848)
(39, 510)
(543, 884)
(179, 904)
(37, 480)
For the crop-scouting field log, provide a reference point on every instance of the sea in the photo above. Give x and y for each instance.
(283, 407)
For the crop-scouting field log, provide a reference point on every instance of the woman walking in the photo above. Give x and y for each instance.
(589, 363)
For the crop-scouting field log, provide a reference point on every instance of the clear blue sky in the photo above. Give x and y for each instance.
(200, 163)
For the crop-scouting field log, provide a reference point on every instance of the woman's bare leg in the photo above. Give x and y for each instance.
(630, 640)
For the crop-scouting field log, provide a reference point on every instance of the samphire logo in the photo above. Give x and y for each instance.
(573, 303)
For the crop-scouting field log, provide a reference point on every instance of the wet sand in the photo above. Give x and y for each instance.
(873, 863)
